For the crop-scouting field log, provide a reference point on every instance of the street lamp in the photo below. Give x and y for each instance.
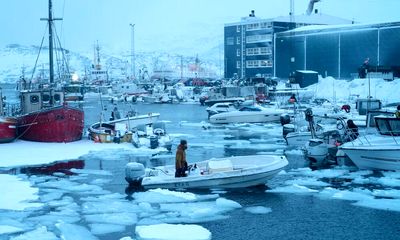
(133, 51)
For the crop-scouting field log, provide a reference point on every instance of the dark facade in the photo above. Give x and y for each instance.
(249, 44)
(249, 47)
(337, 51)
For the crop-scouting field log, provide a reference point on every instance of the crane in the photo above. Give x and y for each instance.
(311, 6)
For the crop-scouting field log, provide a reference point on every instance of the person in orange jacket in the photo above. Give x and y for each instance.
(180, 159)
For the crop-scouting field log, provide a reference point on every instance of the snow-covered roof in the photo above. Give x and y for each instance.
(340, 27)
(317, 18)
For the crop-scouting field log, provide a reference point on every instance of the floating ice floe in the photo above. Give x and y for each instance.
(258, 146)
(166, 196)
(173, 232)
(297, 152)
(323, 173)
(122, 218)
(392, 193)
(40, 233)
(307, 182)
(74, 232)
(19, 194)
(361, 196)
(91, 172)
(258, 210)
(292, 189)
(6, 229)
(100, 229)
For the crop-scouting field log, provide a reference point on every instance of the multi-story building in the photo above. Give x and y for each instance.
(249, 44)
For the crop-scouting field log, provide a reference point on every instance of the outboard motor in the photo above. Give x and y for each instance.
(285, 119)
(154, 142)
(134, 172)
(316, 150)
(287, 128)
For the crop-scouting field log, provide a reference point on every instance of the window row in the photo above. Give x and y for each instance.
(258, 63)
(259, 38)
(256, 26)
(258, 51)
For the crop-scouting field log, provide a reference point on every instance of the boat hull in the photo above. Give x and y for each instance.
(233, 182)
(56, 124)
(231, 117)
(298, 139)
(372, 158)
(7, 129)
(246, 171)
(132, 122)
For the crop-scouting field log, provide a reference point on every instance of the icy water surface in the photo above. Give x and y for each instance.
(93, 201)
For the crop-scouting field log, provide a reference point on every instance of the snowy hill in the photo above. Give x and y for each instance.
(15, 57)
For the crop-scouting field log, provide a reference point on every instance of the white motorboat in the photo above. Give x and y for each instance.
(230, 172)
(378, 151)
(152, 135)
(131, 120)
(248, 114)
(220, 108)
(298, 139)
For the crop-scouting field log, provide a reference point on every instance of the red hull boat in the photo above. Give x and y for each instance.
(7, 129)
(56, 124)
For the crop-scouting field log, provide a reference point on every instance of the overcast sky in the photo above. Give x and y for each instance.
(158, 22)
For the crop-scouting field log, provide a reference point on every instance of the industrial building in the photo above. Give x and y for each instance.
(339, 51)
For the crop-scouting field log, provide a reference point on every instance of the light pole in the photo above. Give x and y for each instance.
(133, 71)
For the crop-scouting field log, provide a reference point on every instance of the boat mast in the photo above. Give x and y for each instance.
(50, 20)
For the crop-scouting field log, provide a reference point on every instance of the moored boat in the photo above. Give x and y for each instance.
(45, 116)
(7, 124)
(7, 129)
(230, 172)
(248, 114)
(377, 151)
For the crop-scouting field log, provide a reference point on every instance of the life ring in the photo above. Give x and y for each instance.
(339, 125)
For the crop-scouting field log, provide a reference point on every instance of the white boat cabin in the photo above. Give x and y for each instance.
(35, 100)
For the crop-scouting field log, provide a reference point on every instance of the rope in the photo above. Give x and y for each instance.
(37, 58)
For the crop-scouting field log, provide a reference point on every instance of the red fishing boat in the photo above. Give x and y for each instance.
(7, 124)
(7, 129)
(45, 116)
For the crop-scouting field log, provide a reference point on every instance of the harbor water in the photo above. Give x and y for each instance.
(264, 213)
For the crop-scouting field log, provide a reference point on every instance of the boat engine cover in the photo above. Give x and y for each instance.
(134, 171)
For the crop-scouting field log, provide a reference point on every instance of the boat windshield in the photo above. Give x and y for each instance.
(388, 125)
(250, 109)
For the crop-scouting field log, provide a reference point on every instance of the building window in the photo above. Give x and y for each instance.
(259, 38)
(238, 40)
(265, 25)
(258, 63)
(230, 41)
(265, 63)
(252, 26)
(238, 52)
(252, 63)
(237, 64)
(238, 28)
(258, 51)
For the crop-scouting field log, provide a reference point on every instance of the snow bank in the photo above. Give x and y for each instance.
(331, 88)
(35, 153)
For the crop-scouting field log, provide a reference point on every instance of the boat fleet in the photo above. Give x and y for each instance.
(321, 129)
